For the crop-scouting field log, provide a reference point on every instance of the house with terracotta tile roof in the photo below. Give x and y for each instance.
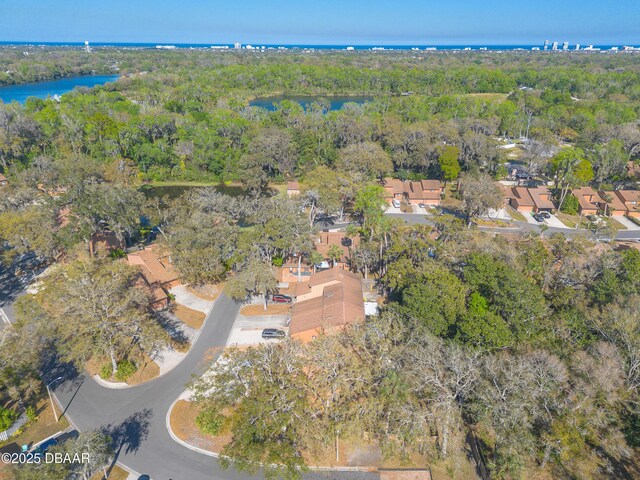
(293, 189)
(631, 201)
(529, 200)
(156, 272)
(3, 180)
(611, 204)
(393, 189)
(329, 301)
(588, 200)
(428, 192)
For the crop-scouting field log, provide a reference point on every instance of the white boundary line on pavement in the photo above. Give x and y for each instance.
(4, 317)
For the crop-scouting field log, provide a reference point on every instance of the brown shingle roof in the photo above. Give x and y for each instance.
(154, 265)
(541, 197)
(327, 239)
(522, 196)
(614, 202)
(394, 186)
(341, 303)
(587, 197)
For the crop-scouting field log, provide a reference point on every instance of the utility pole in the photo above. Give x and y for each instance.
(53, 407)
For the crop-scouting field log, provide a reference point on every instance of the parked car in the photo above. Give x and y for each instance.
(268, 333)
(422, 205)
(538, 218)
(396, 203)
(278, 298)
(592, 218)
(546, 215)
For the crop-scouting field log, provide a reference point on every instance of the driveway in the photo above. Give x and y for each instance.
(392, 209)
(190, 300)
(627, 223)
(248, 330)
(554, 222)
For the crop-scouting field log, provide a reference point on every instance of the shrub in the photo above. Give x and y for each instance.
(7, 417)
(106, 371)
(209, 422)
(32, 414)
(570, 205)
(126, 368)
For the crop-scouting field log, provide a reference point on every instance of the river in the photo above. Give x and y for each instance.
(21, 92)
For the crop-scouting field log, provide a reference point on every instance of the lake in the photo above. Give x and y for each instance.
(23, 91)
(336, 101)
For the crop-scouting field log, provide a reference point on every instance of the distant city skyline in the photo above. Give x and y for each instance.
(332, 22)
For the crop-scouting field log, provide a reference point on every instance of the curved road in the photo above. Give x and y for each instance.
(136, 417)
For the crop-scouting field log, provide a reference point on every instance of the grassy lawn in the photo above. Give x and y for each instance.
(516, 215)
(485, 222)
(272, 309)
(44, 426)
(116, 473)
(449, 200)
(571, 220)
(191, 318)
(615, 224)
(147, 370)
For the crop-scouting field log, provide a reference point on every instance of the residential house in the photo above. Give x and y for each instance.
(541, 197)
(288, 273)
(529, 200)
(611, 204)
(631, 201)
(156, 272)
(326, 240)
(3, 180)
(393, 189)
(428, 192)
(520, 199)
(329, 301)
(588, 200)
(293, 189)
(105, 243)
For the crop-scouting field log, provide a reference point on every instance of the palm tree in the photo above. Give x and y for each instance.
(334, 254)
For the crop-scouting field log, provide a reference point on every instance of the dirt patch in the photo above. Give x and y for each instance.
(272, 309)
(148, 370)
(44, 426)
(208, 291)
(188, 316)
(183, 424)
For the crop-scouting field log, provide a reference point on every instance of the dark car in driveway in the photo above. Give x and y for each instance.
(279, 298)
(268, 333)
(545, 215)
(538, 218)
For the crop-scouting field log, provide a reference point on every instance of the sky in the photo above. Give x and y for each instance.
(331, 22)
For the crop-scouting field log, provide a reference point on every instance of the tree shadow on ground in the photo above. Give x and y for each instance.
(173, 326)
(130, 433)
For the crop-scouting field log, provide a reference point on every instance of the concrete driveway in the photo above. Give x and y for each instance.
(624, 221)
(554, 222)
(248, 330)
(190, 300)
(392, 209)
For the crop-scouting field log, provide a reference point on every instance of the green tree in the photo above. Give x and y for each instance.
(449, 165)
(437, 300)
(570, 169)
(256, 277)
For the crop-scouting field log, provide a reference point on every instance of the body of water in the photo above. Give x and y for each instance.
(335, 102)
(21, 92)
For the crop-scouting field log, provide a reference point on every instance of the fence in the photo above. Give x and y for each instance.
(22, 419)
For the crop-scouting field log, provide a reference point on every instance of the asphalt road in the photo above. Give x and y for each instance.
(136, 417)
(415, 218)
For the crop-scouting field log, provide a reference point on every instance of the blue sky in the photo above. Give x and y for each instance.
(400, 22)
